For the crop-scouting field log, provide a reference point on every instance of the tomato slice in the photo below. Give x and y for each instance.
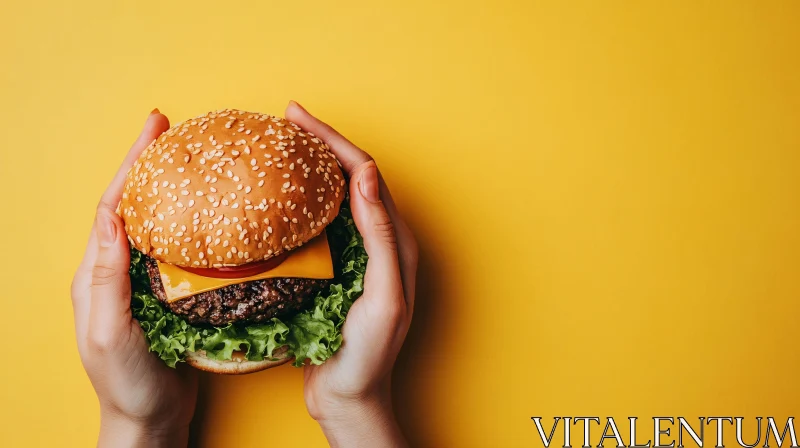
(245, 270)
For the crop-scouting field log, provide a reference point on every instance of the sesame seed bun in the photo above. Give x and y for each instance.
(236, 366)
(228, 188)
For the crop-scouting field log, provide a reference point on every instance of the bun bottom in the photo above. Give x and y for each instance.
(239, 365)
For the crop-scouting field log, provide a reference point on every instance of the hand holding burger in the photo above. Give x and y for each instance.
(350, 394)
(245, 308)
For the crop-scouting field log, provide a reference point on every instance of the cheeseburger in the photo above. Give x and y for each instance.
(244, 254)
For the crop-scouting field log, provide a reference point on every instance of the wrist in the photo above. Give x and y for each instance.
(367, 420)
(120, 431)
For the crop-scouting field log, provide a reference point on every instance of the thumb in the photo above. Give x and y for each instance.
(376, 228)
(111, 285)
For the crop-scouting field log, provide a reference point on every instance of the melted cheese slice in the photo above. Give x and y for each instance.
(311, 260)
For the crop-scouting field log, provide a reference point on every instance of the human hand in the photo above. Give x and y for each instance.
(142, 401)
(350, 394)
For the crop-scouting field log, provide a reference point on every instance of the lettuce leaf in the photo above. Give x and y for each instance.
(314, 334)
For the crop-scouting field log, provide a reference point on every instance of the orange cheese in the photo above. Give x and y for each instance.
(311, 260)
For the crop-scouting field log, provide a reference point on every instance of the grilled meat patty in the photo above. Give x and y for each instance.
(251, 302)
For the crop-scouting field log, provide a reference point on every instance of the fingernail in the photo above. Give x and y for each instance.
(106, 230)
(298, 105)
(155, 111)
(368, 184)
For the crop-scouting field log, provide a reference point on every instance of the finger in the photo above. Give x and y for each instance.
(353, 158)
(408, 250)
(155, 125)
(111, 286)
(81, 293)
(380, 240)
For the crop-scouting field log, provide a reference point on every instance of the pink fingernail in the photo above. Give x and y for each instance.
(298, 105)
(368, 184)
(106, 230)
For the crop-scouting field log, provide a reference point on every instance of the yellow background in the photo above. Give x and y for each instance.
(606, 194)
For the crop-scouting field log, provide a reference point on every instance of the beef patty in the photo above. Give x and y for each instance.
(251, 302)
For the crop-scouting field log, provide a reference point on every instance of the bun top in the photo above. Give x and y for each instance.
(230, 187)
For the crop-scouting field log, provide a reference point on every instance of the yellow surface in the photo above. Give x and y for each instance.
(313, 260)
(607, 195)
